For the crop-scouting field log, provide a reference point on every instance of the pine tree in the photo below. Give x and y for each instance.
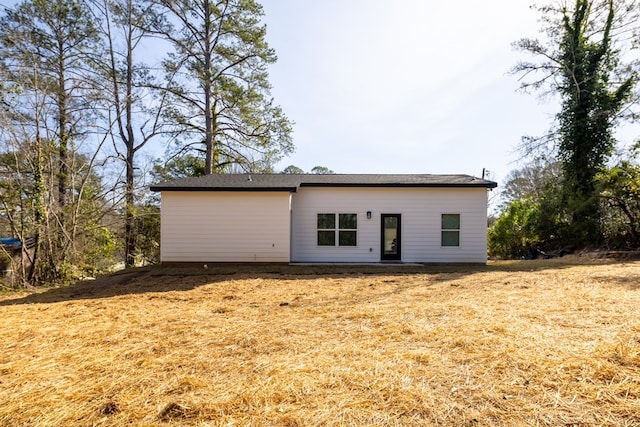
(217, 76)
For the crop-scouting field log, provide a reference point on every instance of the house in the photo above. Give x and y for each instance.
(324, 218)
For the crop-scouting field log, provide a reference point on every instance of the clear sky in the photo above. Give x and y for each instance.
(403, 86)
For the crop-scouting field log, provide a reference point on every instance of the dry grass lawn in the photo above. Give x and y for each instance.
(530, 343)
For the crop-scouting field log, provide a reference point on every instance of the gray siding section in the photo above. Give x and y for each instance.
(225, 226)
(421, 210)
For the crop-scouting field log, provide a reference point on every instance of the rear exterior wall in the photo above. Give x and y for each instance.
(421, 223)
(224, 226)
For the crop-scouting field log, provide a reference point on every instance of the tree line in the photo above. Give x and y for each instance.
(87, 85)
(580, 187)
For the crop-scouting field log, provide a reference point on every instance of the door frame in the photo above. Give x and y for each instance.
(398, 255)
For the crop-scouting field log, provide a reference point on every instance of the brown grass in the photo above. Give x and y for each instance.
(545, 343)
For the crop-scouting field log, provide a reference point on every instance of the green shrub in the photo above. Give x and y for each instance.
(515, 229)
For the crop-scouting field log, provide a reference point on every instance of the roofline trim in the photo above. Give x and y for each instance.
(325, 185)
(157, 188)
(399, 185)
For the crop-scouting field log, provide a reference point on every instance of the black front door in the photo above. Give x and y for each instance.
(390, 237)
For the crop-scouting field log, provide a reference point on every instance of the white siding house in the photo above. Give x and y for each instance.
(325, 218)
(225, 226)
(420, 211)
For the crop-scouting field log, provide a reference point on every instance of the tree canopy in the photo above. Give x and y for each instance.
(82, 97)
(216, 75)
(581, 62)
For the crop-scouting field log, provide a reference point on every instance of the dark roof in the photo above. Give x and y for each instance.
(290, 182)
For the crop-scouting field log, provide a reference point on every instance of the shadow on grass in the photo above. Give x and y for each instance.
(126, 282)
(177, 278)
(630, 282)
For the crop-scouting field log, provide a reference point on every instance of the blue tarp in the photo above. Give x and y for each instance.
(10, 241)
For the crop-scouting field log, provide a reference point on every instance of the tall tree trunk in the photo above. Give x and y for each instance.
(209, 136)
(63, 169)
(62, 241)
(130, 232)
(39, 193)
(208, 95)
(129, 223)
(39, 208)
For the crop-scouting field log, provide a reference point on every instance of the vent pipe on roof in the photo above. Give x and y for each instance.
(249, 178)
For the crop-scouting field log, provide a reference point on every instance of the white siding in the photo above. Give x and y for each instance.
(225, 226)
(421, 210)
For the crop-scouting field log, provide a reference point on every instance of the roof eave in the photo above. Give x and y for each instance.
(405, 185)
(157, 188)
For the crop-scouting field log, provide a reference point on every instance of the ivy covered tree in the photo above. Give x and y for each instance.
(580, 62)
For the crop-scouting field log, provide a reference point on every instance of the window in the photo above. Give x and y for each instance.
(348, 224)
(450, 229)
(326, 230)
(345, 229)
